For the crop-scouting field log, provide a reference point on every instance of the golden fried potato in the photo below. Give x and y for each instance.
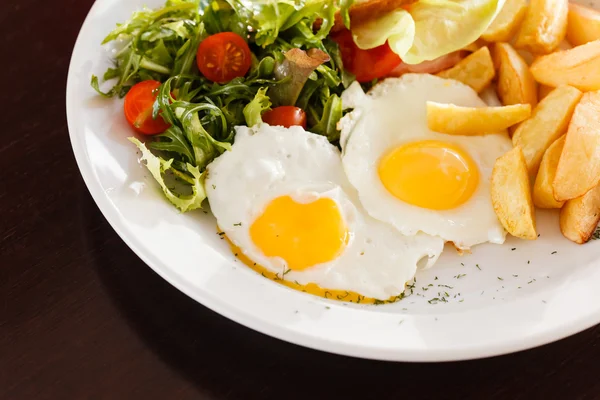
(471, 48)
(515, 82)
(579, 217)
(455, 120)
(578, 67)
(507, 22)
(511, 195)
(544, 27)
(543, 195)
(476, 45)
(544, 91)
(583, 25)
(578, 170)
(475, 70)
(549, 120)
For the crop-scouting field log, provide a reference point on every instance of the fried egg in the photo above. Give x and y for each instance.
(281, 197)
(413, 178)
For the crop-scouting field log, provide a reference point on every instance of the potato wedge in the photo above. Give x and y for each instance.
(544, 91)
(515, 82)
(544, 27)
(583, 25)
(475, 70)
(507, 22)
(473, 47)
(511, 195)
(455, 120)
(578, 67)
(543, 196)
(549, 120)
(578, 170)
(579, 217)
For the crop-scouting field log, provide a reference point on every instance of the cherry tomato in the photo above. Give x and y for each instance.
(223, 56)
(285, 116)
(365, 65)
(138, 108)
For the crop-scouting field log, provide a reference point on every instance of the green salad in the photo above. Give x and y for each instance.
(194, 69)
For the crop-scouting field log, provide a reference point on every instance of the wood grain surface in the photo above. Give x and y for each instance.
(81, 317)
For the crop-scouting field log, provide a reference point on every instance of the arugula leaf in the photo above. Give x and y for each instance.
(155, 45)
(158, 166)
(254, 109)
(332, 113)
(204, 146)
(173, 140)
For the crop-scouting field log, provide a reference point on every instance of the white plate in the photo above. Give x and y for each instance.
(549, 287)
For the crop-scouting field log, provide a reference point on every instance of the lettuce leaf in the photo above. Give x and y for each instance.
(294, 71)
(398, 27)
(158, 166)
(430, 28)
(444, 26)
(254, 109)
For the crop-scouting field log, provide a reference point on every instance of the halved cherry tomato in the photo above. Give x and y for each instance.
(365, 65)
(223, 56)
(138, 108)
(285, 116)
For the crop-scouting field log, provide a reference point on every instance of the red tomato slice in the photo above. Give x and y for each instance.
(223, 56)
(138, 108)
(365, 65)
(285, 116)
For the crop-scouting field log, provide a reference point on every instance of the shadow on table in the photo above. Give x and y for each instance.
(225, 360)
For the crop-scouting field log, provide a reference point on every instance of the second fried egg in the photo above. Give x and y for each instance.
(416, 179)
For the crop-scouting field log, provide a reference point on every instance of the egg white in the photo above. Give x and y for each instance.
(394, 113)
(267, 162)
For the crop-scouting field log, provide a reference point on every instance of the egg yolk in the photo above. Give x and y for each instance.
(302, 234)
(429, 174)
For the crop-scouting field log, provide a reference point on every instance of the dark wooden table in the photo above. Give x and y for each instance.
(81, 317)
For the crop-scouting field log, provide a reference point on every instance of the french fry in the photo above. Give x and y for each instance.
(473, 47)
(511, 195)
(544, 27)
(544, 91)
(543, 196)
(515, 82)
(507, 22)
(455, 120)
(578, 67)
(549, 120)
(583, 25)
(579, 217)
(475, 70)
(578, 169)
